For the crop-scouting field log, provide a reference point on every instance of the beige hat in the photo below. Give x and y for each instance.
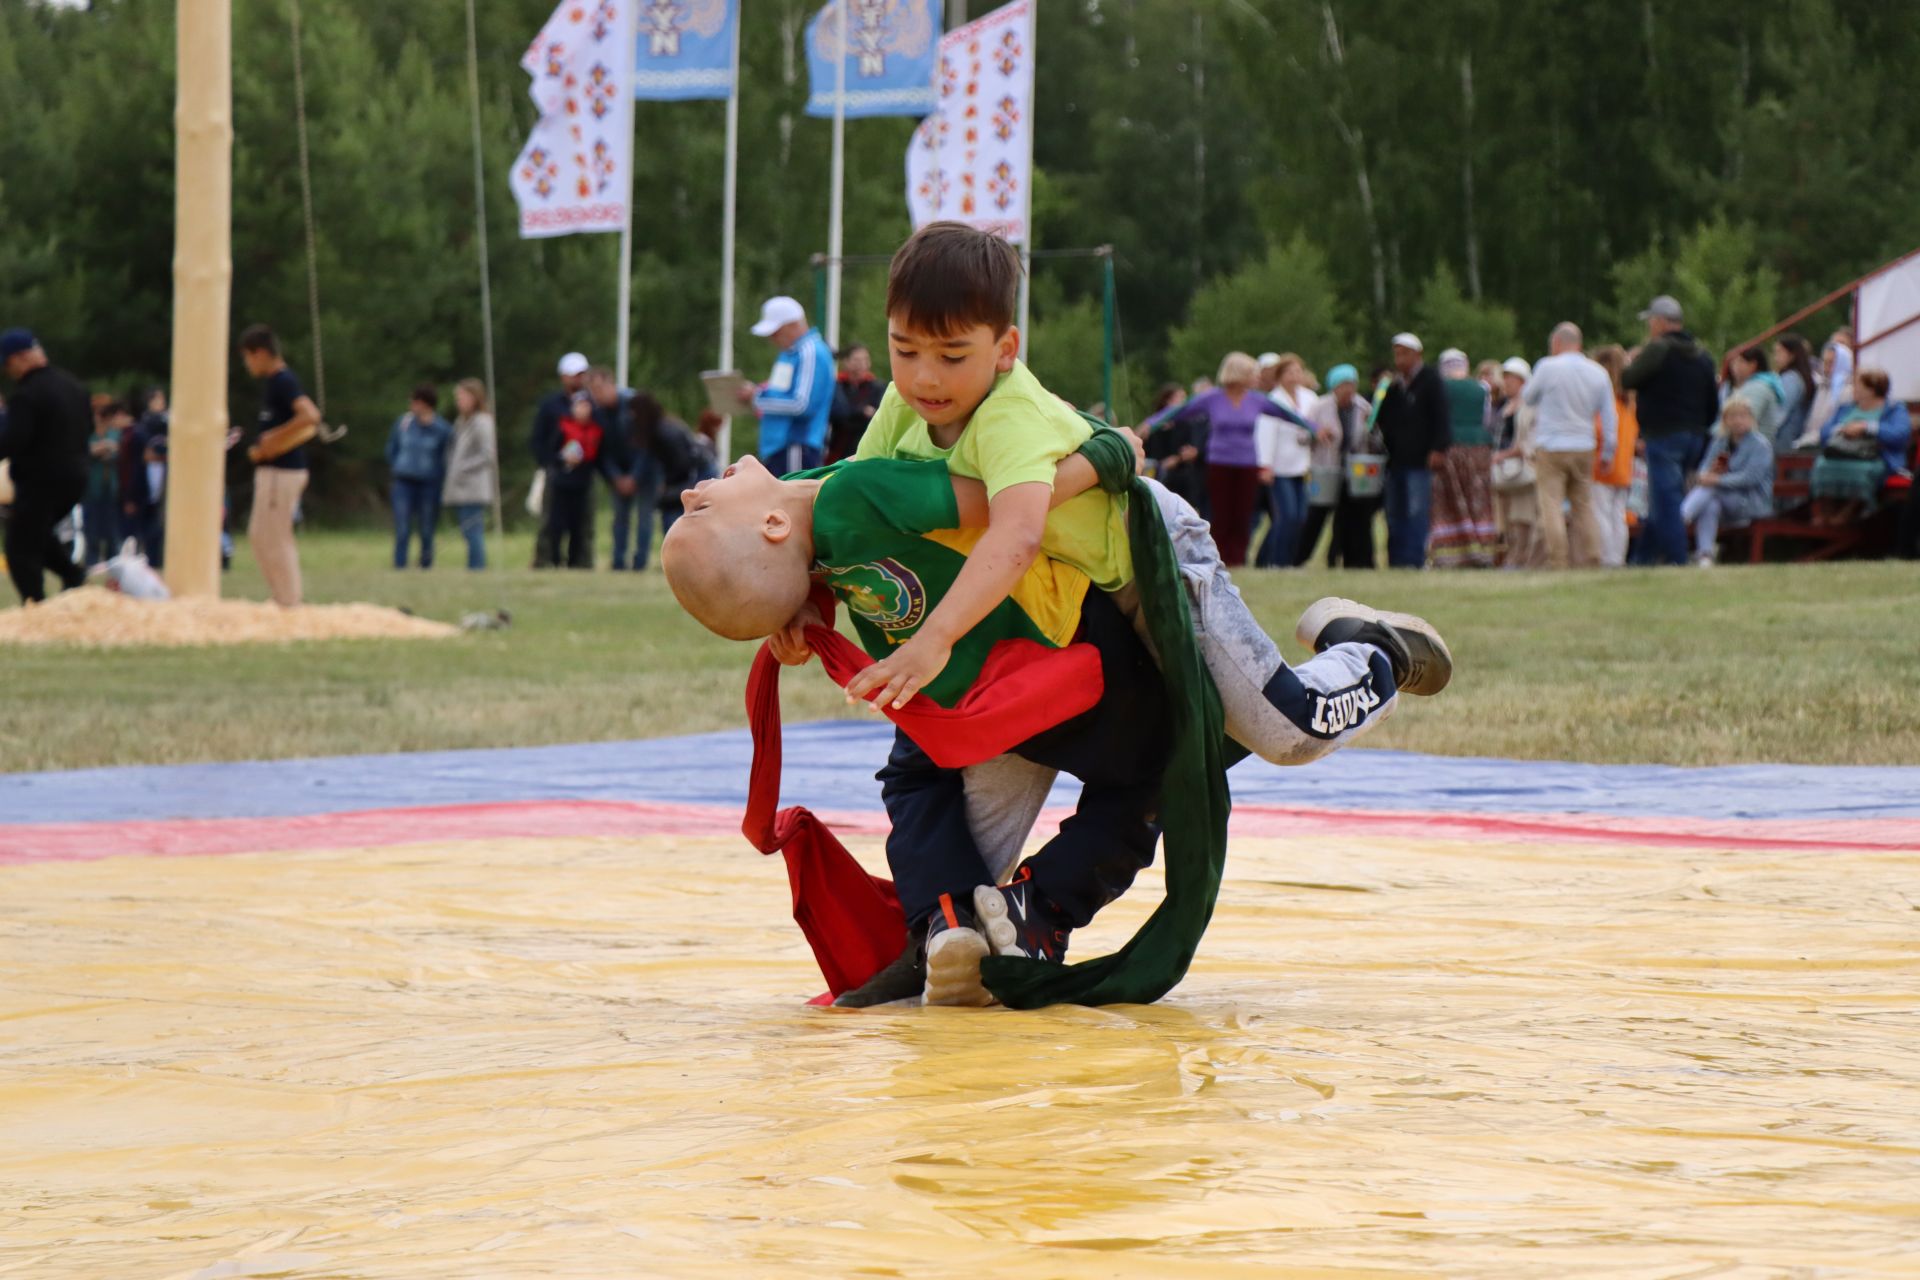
(1408, 341)
(1517, 367)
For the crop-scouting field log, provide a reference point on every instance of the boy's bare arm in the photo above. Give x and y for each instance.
(1073, 477)
(1017, 518)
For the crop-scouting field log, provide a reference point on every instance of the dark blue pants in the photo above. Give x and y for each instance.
(646, 497)
(472, 519)
(1286, 516)
(1670, 461)
(1118, 750)
(1409, 516)
(416, 505)
(101, 517)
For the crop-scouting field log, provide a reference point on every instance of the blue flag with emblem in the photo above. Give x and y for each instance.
(685, 50)
(891, 46)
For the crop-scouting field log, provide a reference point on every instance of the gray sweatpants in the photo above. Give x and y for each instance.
(1285, 715)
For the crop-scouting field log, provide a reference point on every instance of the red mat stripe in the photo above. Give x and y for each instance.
(190, 837)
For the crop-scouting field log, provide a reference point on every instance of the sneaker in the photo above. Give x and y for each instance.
(954, 949)
(1703, 560)
(1422, 663)
(1019, 922)
(899, 983)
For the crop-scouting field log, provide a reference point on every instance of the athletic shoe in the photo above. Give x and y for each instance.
(1704, 560)
(1019, 922)
(954, 949)
(899, 983)
(1422, 663)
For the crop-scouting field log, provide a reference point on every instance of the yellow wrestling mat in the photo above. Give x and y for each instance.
(588, 1058)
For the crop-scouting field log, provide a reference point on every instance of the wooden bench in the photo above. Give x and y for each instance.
(1793, 500)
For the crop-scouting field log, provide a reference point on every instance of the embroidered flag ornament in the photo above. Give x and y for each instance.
(890, 56)
(970, 160)
(685, 49)
(571, 175)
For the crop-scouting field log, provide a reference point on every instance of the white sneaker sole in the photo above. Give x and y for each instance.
(1419, 634)
(953, 969)
(990, 905)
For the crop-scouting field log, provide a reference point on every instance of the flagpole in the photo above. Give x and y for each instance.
(621, 329)
(723, 447)
(480, 228)
(1026, 215)
(838, 178)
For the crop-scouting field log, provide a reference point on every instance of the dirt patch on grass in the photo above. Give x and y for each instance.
(94, 618)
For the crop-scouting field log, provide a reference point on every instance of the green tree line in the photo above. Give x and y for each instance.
(1292, 174)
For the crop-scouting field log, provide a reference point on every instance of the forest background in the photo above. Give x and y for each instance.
(1306, 175)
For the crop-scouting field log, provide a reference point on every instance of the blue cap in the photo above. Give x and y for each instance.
(1341, 373)
(14, 341)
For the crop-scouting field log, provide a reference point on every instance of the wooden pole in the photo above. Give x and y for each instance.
(202, 280)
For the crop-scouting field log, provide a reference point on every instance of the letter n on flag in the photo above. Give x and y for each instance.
(572, 174)
(970, 160)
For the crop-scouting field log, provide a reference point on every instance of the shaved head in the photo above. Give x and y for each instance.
(1566, 337)
(732, 580)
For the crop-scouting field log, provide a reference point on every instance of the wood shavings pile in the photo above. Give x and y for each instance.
(95, 618)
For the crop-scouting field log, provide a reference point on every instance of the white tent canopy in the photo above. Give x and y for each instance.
(1886, 324)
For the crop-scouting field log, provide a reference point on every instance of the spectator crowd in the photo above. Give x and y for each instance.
(1645, 456)
(1648, 456)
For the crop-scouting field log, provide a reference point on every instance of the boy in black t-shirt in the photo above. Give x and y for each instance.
(288, 419)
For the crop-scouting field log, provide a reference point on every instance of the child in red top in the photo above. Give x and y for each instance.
(579, 434)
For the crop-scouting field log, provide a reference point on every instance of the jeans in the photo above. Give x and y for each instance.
(1409, 516)
(101, 523)
(472, 518)
(416, 505)
(1286, 513)
(646, 496)
(794, 457)
(1670, 460)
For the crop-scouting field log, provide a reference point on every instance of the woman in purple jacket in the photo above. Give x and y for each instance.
(1228, 413)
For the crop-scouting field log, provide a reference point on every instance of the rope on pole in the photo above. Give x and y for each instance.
(306, 208)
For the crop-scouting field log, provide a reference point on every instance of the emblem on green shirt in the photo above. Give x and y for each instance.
(884, 592)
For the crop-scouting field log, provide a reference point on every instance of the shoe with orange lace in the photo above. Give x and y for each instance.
(1018, 921)
(953, 950)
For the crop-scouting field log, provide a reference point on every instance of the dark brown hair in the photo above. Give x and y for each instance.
(427, 393)
(1876, 381)
(257, 337)
(948, 277)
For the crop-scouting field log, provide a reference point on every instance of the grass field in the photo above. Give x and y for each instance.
(1816, 664)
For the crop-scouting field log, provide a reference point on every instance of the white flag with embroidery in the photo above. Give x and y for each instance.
(572, 174)
(970, 160)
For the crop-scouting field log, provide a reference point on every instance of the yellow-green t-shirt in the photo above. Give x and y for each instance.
(1018, 435)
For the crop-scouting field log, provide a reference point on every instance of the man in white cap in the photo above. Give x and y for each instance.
(1415, 423)
(546, 449)
(797, 399)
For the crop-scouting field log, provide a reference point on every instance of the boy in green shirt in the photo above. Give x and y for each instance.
(888, 536)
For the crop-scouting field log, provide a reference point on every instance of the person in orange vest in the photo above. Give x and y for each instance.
(1612, 482)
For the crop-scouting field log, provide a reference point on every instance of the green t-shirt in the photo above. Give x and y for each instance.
(1018, 435)
(1467, 410)
(884, 541)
